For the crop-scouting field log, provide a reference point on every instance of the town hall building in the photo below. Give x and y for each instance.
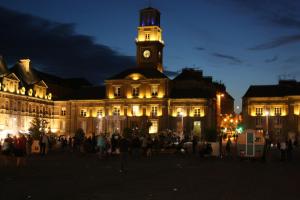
(141, 97)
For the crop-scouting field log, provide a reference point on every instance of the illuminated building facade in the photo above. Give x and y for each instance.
(139, 98)
(273, 109)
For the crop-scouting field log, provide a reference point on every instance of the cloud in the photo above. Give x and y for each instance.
(227, 57)
(284, 40)
(56, 48)
(274, 59)
(199, 48)
(286, 21)
(283, 13)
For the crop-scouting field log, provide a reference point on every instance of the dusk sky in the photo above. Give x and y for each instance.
(238, 42)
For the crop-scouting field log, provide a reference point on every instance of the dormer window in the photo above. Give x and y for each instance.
(154, 90)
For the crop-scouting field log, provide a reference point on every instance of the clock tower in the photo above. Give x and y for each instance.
(149, 43)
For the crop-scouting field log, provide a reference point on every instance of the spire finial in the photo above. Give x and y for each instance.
(149, 3)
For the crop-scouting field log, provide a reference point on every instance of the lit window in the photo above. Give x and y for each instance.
(99, 113)
(179, 112)
(147, 36)
(154, 127)
(277, 111)
(154, 111)
(117, 91)
(63, 111)
(83, 113)
(116, 111)
(258, 111)
(135, 110)
(197, 112)
(154, 90)
(135, 91)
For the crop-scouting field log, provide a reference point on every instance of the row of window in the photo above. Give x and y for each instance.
(17, 106)
(259, 111)
(136, 91)
(259, 121)
(83, 113)
(135, 111)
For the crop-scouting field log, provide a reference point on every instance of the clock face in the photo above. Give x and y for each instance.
(146, 53)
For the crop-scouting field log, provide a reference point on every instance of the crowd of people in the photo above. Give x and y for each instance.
(15, 149)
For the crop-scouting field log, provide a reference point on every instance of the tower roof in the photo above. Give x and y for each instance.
(149, 17)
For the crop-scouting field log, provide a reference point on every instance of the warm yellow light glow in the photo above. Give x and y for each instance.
(149, 33)
(23, 90)
(297, 110)
(154, 127)
(30, 91)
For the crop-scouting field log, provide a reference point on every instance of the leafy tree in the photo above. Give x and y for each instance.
(37, 127)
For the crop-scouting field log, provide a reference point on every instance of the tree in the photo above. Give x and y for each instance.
(37, 127)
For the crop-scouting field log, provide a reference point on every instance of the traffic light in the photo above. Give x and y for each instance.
(239, 128)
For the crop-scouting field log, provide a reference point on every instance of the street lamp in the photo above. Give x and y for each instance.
(267, 124)
(100, 123)
(218, 109)
(181, 115)
(266, 135)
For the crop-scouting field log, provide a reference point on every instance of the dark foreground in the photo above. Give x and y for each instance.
(83, 177)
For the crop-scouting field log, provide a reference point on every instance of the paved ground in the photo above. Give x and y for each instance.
(83, 177)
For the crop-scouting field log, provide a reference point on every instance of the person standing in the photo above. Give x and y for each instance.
(7, 149)
(101, 146)
(43, 144)
(283, 150)
(124, 149)
(20, 150)
(228, 147)
(149, 147)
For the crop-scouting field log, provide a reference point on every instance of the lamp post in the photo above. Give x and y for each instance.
(181, 115)
(218, 109)
(100, 123)
(266, 135)
(267, 125)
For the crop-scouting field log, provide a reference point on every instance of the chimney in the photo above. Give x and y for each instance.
(25, 63)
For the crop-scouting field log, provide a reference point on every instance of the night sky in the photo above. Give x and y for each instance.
(238, 42)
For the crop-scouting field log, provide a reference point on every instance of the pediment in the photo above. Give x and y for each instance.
(41, 83)
(12, 76)
(135, 76)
